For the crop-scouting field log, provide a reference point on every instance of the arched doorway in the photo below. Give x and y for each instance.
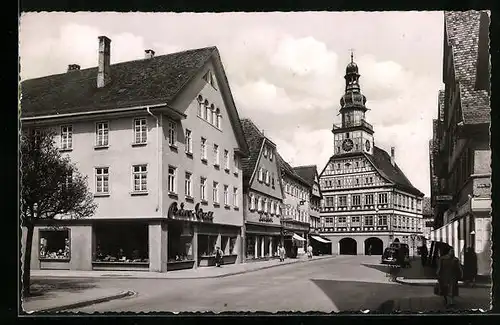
(374, 246)
(348, 246)
(396, 240)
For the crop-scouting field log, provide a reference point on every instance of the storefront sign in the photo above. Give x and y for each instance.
(265, 218)
(444, 198)
(196, 215)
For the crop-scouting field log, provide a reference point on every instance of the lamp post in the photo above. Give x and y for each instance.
(413, 237)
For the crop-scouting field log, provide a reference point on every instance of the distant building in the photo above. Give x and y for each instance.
(295, 219)
(367, 200)
(161, 143)
(461, 155)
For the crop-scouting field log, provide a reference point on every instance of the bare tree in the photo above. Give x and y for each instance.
(51, 187)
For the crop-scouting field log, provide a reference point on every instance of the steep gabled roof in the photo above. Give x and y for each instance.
(382, 162)
(133, 83)
(254, 139)
(462, 31)
(308, 173)
(289, 170)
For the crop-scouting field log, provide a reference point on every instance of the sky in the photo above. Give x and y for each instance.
(285, 70)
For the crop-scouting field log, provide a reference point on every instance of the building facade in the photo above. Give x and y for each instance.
(319, 244)
(367, 200)
(263, 196)
(162, 156)
(461, 192)
(295, 219)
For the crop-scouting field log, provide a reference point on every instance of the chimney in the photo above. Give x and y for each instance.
(73, 67)
(149, 54)
(393, 156)
(103, 74)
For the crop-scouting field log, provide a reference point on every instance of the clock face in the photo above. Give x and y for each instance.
(347, 145)
(367, 145)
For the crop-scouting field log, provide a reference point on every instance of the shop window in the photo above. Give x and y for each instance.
(250, 246)
(232, 246)
(121, 242)
(54, 244)
(180, 242)
(206, 245)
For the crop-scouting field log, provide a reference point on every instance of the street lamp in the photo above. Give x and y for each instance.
(413, 237)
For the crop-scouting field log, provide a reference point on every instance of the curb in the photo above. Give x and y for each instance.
(401, 280)
(194, 277)
(86, 303)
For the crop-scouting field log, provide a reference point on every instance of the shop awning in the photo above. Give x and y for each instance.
(297, 237)
(321, 240)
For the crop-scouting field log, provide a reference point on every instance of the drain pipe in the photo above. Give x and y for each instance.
(158, 154)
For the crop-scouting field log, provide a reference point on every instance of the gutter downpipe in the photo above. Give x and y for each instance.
(158, 153)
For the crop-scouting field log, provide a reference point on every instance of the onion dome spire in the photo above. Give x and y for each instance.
(353, 96)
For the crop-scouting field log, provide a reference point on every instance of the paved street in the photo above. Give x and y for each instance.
(338, 284)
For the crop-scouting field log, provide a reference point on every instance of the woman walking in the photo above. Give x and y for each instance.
(449, 272)
(281, 251)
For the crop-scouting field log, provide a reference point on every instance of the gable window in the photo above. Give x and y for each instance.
(226, 195)
(102, 180)
(261, 174)
(140, 174)
(265, 205)
(278, 209)
(172, 179)
(271, 155)
(252, 202)
(102, 134)
(236, 164)
(265, 151)
(66, 137)
(204, 109)
(216, 155)
(356, 200)
(210, 114)
(210, 79)
(214, 116)
(343, 200)
(189, 141)
(172, 133)
(267, 177)
(382, 198)
(369, 199)
(368, 220)
(215, 192)
(218, 122)
(272, 180)
(188, 186)
(201, 106)
(226, 160)
(259, 204)
(235, 197)
(203, 189)
(140, 131)
(203, 149)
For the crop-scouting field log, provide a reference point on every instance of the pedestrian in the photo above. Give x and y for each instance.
(423, 254)
(470, 266)
(218, 256)
(449, 272)
(309, 251)
(370, 250)
(281, 251)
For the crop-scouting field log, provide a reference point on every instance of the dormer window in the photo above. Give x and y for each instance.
(210, 79)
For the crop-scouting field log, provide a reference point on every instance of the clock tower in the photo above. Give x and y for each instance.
(354, 135)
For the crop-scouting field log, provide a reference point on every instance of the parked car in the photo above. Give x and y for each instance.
(396, 254)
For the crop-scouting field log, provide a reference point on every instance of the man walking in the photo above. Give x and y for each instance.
(423, 254)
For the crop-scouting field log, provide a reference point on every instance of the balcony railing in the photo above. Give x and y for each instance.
(349, 124)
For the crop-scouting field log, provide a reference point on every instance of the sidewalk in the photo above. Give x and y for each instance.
(57, 301)
(426, 276)
(199, 273)
(435, 304)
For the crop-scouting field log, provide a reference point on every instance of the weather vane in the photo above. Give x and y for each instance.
(352, 54)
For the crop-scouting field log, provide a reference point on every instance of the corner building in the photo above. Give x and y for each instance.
(161, 143)
(461, 154)
(367, 200)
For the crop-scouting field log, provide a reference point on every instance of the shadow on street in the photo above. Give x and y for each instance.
(42, 288)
